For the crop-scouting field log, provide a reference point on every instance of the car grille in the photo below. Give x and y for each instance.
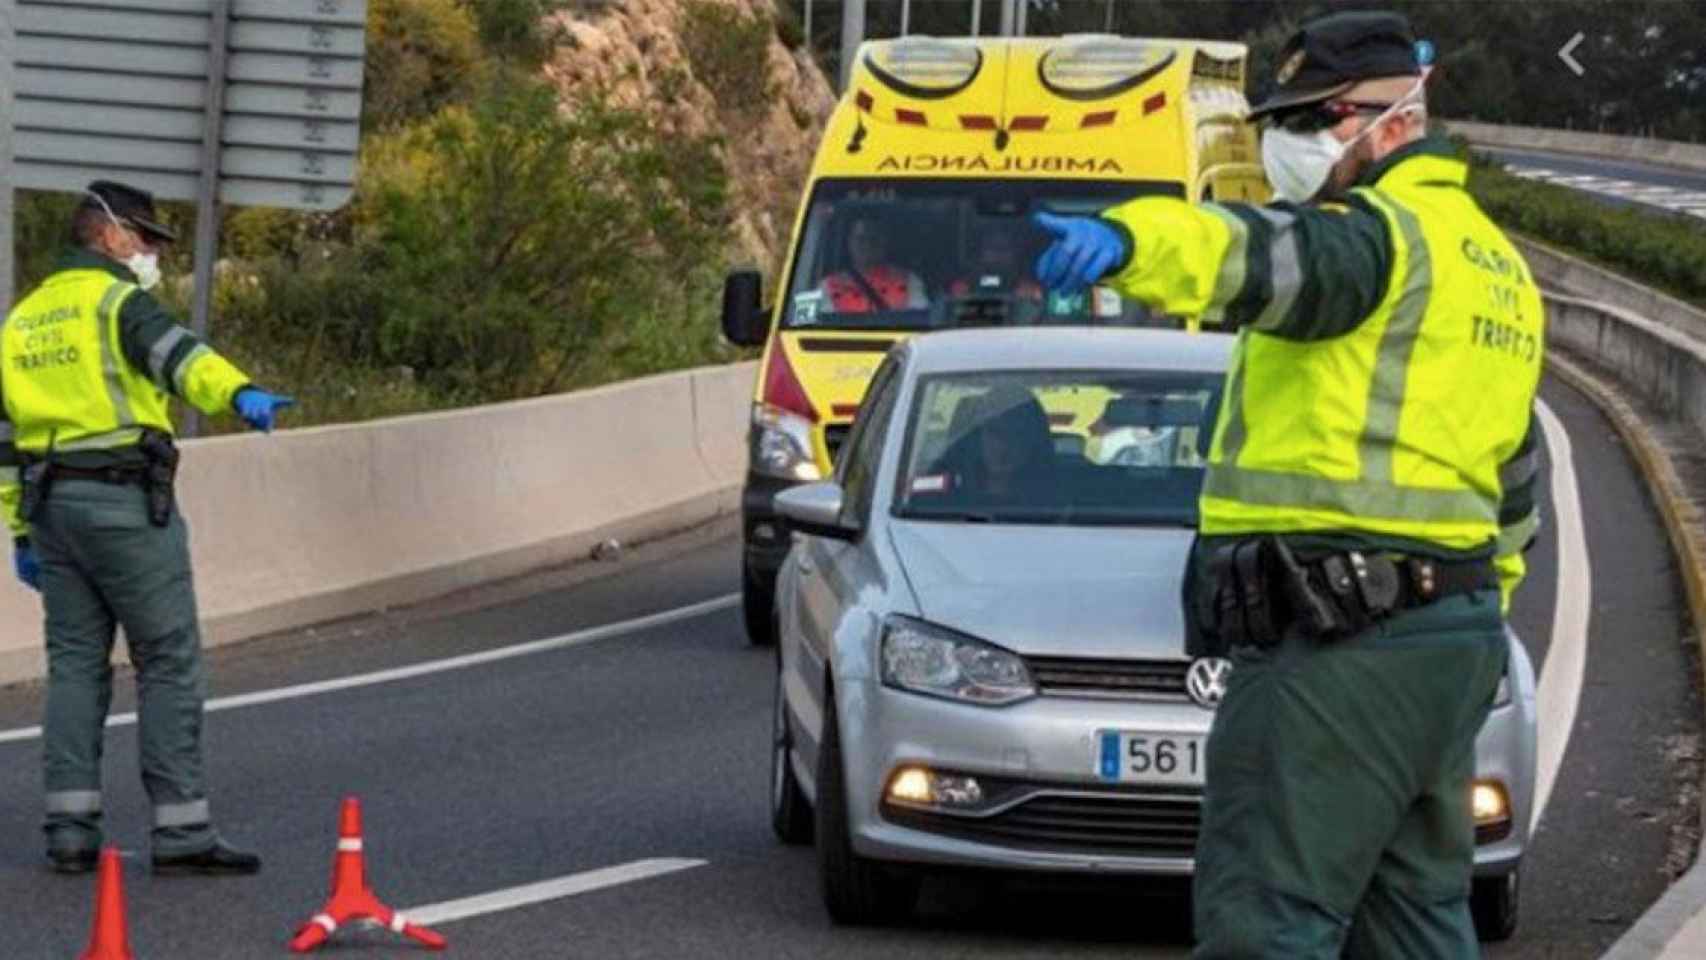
(834, 435)
(1152, 823)
(1121, 679)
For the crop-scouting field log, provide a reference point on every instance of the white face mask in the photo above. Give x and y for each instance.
(146, 266)
(1298, 164)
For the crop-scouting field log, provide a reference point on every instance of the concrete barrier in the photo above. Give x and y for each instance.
(1668, 153)
(314, 524)
(1563, 273)
(1659, 364)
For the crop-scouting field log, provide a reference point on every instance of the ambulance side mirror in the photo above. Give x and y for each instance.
(745, 321)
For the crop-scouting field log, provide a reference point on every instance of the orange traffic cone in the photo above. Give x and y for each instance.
(352, 899)
(109, 939)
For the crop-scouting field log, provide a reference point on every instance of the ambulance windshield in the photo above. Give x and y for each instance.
(936, 254)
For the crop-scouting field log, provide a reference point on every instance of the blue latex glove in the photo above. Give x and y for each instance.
(1084, 249)
(26, 564)
(257, 407)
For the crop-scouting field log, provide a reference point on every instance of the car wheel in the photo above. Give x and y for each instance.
(790, 811)
(856, 890)
(1493, 901)
(758, 602)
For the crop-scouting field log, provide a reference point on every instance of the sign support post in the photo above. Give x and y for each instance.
(8, 73)
(207, 201)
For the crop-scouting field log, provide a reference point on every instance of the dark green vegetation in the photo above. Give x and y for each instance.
(503, 242)
(1666, 251)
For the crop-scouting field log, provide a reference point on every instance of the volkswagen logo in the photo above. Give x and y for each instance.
(1206, 680)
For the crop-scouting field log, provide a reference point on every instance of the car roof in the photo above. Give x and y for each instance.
(1068, 348)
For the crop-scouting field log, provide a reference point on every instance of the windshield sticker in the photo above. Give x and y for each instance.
(935, 483)
(806, 306)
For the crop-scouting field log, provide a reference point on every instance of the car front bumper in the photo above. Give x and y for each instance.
(1039, 758)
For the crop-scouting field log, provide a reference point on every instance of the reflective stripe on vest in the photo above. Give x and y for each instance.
(1337, 438)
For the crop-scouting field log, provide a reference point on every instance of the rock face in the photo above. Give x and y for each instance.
(636, 51)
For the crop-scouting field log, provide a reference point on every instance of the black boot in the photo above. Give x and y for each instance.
(217, 860)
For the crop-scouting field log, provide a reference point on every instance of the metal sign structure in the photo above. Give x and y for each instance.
(120, 89)
(242, 102)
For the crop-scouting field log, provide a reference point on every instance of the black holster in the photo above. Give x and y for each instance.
(160, 474)
(1255, 590)
(35, 479)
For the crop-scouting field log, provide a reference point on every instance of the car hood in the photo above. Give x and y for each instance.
(1051, 591)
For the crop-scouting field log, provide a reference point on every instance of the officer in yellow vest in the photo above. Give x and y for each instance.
(1368, 454)
(88, 361)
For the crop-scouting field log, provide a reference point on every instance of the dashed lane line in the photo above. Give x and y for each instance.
(449, 911)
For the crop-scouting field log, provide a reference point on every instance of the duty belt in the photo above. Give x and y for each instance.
(1259, 588)
(118, 476)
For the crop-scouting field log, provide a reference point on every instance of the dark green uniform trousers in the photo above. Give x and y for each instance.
(105, 565)
(1336, 814)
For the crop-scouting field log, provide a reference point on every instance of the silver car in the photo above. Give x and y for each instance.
(981, 657)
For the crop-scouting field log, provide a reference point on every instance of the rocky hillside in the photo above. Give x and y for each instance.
(701, 67)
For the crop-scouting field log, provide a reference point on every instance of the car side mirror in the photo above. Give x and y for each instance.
(815, 508)
(744, 317)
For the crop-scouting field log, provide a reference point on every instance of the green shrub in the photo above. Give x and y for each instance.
(1665, 250)
(421, 55)
(525, 233)
(729, 52)
(516, 30)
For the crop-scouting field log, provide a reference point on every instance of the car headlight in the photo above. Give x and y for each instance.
(782, 445)
(927, 659)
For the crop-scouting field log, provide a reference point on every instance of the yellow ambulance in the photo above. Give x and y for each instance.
(916, 217)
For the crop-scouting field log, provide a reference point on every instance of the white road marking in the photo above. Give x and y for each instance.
(1559, 690)
(532, 893)
(1676, 199)
(432, 666)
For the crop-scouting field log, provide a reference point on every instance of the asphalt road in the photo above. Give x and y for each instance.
(652, 744)
(1616, 182)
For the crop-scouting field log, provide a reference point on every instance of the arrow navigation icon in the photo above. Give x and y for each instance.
(1564, 53)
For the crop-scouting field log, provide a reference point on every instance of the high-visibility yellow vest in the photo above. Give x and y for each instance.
(1400, 426)
(66, 378)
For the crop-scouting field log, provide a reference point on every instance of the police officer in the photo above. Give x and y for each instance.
(1366, 456)
(88, 362)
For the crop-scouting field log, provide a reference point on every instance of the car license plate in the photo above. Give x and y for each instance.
(1130, 756)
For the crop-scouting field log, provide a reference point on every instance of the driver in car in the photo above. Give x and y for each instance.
(871, 283)
(1004, 458)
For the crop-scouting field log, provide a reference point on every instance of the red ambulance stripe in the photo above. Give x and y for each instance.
(909, 116)
(1154, 103)
(1028, 123)
(863, 101)
(1100, 119)
(974, 122)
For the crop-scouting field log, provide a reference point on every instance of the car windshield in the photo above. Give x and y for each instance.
(1058, 447)
(935, 254)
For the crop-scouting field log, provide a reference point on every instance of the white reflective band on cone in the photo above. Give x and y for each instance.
(348, 845)
(326, 923)
(398, 922)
